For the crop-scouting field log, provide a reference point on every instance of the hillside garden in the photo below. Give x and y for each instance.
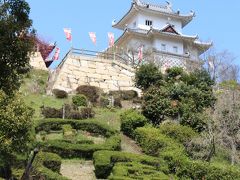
(84, 136)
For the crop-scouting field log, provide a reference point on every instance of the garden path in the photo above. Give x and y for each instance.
(78, 170)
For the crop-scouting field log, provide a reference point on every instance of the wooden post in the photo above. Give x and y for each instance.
(63, 109)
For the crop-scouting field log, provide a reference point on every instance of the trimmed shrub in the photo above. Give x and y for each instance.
(105, 160)
(130, 120)
(60, 93)
(87, 113)
(47, 166)
(71, 112)
(124, 95)
(91, 92)
(135, 170)
(154, 143)
(173, 153)
(67, 131)
(182, 134)
(91, 126)
(147, 75)
(69, 150)
(79, 100)
(49, 112)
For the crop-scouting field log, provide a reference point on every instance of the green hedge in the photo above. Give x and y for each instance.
(69, 150)
(153, 142)
(47, 166)
(105, 160)
(135, 170)
(182, 134)
(130, 120)
(92, 126)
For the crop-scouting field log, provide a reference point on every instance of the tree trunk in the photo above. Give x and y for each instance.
(233, 148)
(212, 150)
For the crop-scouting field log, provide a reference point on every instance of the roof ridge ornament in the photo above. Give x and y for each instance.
(169, 5)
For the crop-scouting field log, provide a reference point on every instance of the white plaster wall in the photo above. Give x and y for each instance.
(132, 21)
(158, 21)
(170, 43)
(194, 54)
(135, 43)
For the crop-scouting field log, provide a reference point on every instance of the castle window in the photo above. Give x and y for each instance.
(148, 23)
(163, 47)
(175, 49)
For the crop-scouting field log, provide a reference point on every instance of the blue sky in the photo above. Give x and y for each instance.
(216, 20)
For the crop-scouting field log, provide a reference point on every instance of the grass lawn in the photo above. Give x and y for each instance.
(109, 116)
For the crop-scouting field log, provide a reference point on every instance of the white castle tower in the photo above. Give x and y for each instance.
(159, 30)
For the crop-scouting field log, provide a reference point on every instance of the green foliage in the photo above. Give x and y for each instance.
(147, 75)
(154, 143)
(15, 125)
(79, 100)
(130, 120)
(181, 97)
(104, 101)
(68, 131)
(231, 84)
(61, 94)
(182, 134)
(135, 170)
(104, 161)
(47, 166)
(69, 150)
(173, 153)
(91, 92)
(124, 95)
(71, 112)
(87, 112)
(49, 112)
(92, 126)
(83, 148)
(16, 43)
(157, 104)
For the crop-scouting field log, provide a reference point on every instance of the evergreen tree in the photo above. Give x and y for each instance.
(16, 43)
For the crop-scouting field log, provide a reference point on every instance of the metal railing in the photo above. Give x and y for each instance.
(102, 55)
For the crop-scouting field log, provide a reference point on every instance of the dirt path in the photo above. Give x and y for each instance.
(78, 170)
(129, 145)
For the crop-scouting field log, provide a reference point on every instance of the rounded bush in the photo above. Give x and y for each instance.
(183, 134)
(130, 120)
(79, 100)
(60, 93)
(124, 95)
(91, 92)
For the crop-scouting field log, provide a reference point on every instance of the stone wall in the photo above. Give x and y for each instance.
(37, 62)
(76, 70)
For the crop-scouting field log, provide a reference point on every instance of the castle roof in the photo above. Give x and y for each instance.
(167, 31)
(166, 10)
(202, 46)
(164, 32)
